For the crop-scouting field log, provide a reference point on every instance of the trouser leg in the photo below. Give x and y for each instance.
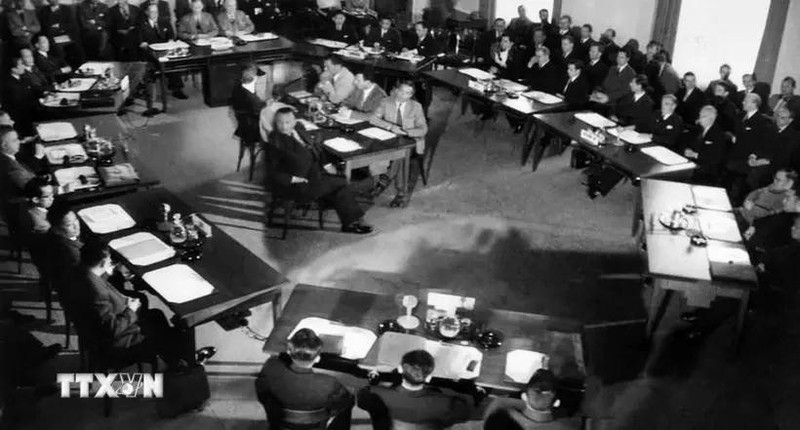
(161, 338)
(342, 199)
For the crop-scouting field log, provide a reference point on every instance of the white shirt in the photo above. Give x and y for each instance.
(366, 94)
(593, 62)
(250, 86)
(749, 115)
(688, 93)
(622, 68)
(502, 57)
(637, 97)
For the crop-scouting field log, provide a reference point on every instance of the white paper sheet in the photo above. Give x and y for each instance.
(476, 73)
(410, 57)
(257, 37)
(351, 53)
(55, 131)
(511, 86)
(664, 155)
(630, 136)
(142, 248)
(105, 219)
(328, 43)
(519, 104)
(522, 364)
(178, 283)
(356, 341)
(74, 151)
(595, 120)
(711, 198)
(307, 125)
(168, 46)
(544, 98)
(210, 41)
(76, 85)
(299, 94)
(377, 133)
(725, 253)
(346, 120)
(719, 225)
(341, 144)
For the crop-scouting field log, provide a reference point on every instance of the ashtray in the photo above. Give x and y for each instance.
(689, 209)
(490, 339)
(389, 326)
(698, 240)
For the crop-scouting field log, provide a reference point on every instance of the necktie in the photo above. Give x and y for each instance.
(399, 116)
(567, 86)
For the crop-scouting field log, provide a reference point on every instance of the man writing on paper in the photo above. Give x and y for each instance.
(403, 116)
(336, 81)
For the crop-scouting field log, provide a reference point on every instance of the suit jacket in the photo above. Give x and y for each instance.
(689, 109)
(184, 7)
(413, 120)
(240, 24)
(727, 115)
(710, 149)
(162, 32)
(38, 81)
(33, 228)
(342, 85)
(617, 83)
(762, 92)
(50, 65)
(547, 78)
(785, 149)
(576, 93)
(119, 22)
(772, 231)
(261, 12)
(791, 102)
(282, 385)
(484, 44)
(93, 16)
(432, 406)
(427, 47)
(63, 256)
(101, 312)
(520, 30)
(13, 177)
(346, 35)
(638, 113)
(247, 108)
(752, 136)
(22, 27)
(356, 100)
(390, 40)
(20, 100)
(610, 52)
(286, 157)
(189, 28)
(666, 132)
(59, 22)
(584, 48)
(596, 74)
(669, 80)
(732, 89)
(514, 66)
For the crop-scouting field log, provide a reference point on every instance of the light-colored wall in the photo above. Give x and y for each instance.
(788, 59)
(632, 19)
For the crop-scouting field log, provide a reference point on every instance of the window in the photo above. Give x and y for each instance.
(507, 9)
(715, 32)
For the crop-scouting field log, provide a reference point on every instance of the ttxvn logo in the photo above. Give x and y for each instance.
(112, 384)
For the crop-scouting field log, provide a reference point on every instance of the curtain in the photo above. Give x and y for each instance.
(665, 24)
(771, 42)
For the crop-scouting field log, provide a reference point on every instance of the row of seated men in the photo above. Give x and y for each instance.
(288, 382)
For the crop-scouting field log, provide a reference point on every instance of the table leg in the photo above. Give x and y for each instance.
(636, 223)
(740, 320)
(163, 86)
(536, 145)
(407, 173)
(658, 306)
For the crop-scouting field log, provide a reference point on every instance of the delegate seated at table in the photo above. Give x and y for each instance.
(506, 61)
(233, 22)
(63, 247)
(365, 99)
(49, 63)
(576, 90)
(340, 30)
(299, 170)
(424, 43)
(774, 230)
(386, 36)
(37, 81)
(288, 381)
(247, 106)
(197, 24)
(154, 29)
(414, 402)
(33, 221)
(617, 82)
(336, 81)
(635, 110)
(543, 74)
(667, 125)
(707, 148)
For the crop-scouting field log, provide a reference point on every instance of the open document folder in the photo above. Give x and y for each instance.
(178, 283)
(105, 219)
(142, 249)
(352, 343)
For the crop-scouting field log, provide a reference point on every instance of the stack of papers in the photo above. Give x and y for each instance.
(142, 249)
(377, 133)
(355, 341)
(719, 225)
(521, 364)
(76, 85)
(340, 144)
(55, 131)
(476, 73)
(664, 155)
(169, 46)
(74, 152)
(106, 219)
(328, 43)
(629, 136)
(410, 57)
(351, 53)
(299, 94)
(541, 97)
(178, 283)
(511, 86)
(257, 37)
(76, 178)
(712, 198)
(595, 120)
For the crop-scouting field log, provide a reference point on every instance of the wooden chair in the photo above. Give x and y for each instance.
(249, 142)
(288, 206)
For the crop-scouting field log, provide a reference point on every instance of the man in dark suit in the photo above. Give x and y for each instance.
(727, 115)
(93, 20)
(19, 98)
(21, 24)
(13, 174)
(596, 69)
(636, 109)
(785, 146)
(707, 147)
(586, 41)
(773, 231)
(636, 58)
(154, 29)
(60, 25)
(506, 61)
(779, 266)
(545, 75)
(690, 99)
(63, 247)
(576, 90)
(568, 52)
(386, 36)
(288, 381)
(750, 148)
(340, 30)
(565, 28)
(725, 80)
(49, 63)
(617, 84)
(425, 44)
(752, 86)
(608, 40)
(38, 81)
(487, 39)
(366, 97)
(667, 125)
(247, 106)
(413, 402)
(787, 98)
(668, 79)
(184, 7)
(300, 171)
(263, 13)
(123, 20)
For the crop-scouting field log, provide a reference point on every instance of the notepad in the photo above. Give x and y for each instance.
(595, 120)
(328, 43)
(340, 144)
(476, 73)
(74, 152)
(104, 219)
(521, 364)
(55, 131)
(377, 133)
(257, 37)
(142, 249)
(664, 155)
(352, 343)
(719, 225)
(169, 46)
(629, 136)
(544, 98)
(178, 283)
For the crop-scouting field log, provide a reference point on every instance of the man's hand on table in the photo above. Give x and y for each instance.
(330, 169)
(299, 180)
(133, 304)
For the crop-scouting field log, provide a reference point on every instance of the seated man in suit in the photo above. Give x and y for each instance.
(123, 21)
(724, 80)
(727, 113)
(386, 37)
(38, 81)
(779, 266)
(413, 401)
(197, 24)
(60, 25)
(21, 24)
(366, 97)
(773, 230)
(13, 174)
(750, 150)
(635, 110)
(233, 22)
(33, 219)
(425, 44)
(184, 7)
(787, 98)
(544, 74)
(247, 106)
(690, 99)
(487, 39)
(786, 145)
(300, 171)
(667, 125)
(533, 411)
(19, 98)
(752, 86)
(611, 49)
(117, 324)
(617, 84)
(52, 66)
(155, 29)
(768, 200)
(403, 116)
(707, 148)
(63, 246)
(506, 61)
(288, 381)
(565, 28)
(586, 41)
(596, 69)
(336, 81)
(93, 21)
(340, 30)
(576, 90)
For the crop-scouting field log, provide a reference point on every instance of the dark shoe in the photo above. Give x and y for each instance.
(52, 351)
(357, 228)
(203, 354)
(178, 94)
(151, 112)
(399, 201)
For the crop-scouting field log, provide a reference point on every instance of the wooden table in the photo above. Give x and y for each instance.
(109, 127)
(636, 165)
(558, 338)
(382, 64)
(675, 264)
(241, 279)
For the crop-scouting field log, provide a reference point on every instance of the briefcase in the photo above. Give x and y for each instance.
(185, 390)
